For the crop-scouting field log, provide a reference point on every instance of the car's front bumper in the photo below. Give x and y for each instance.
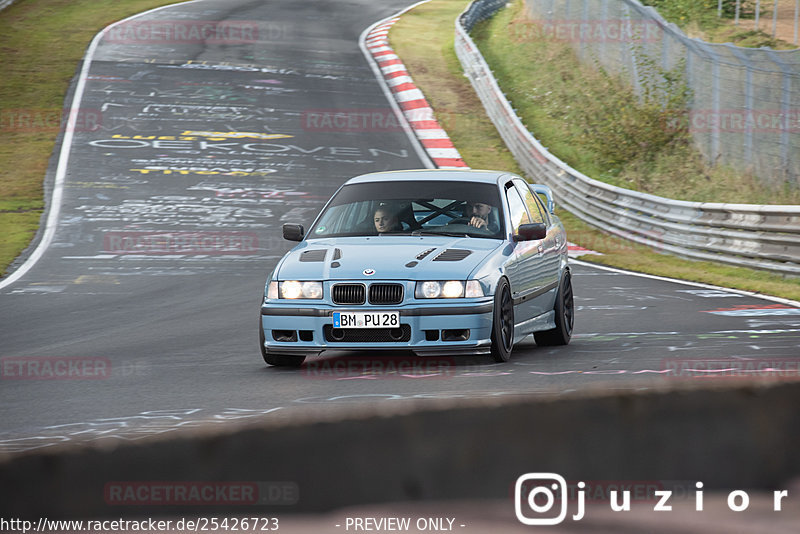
(307, 328)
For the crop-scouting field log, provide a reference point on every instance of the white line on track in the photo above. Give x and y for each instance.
(54, 205)
(686, 283)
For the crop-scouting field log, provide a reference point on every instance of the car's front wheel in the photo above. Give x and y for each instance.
(279, 360)
(503, 322)
(565, 316)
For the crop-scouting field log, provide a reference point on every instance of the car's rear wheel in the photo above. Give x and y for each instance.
(565, 316)
(503, 322)
(279, 360)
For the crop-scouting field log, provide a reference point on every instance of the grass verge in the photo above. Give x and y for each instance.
(595, 122)
(436, 70)
(700, 19)
(42, 41)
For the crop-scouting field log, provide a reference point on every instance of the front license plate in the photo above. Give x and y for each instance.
(366, 320)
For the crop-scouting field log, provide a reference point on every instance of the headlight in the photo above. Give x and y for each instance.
(300, 290)
(453, 289)
(447, 289)
(428, 290)
(272, 290)
(474, 289)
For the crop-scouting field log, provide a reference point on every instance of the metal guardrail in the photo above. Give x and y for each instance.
(761, 237)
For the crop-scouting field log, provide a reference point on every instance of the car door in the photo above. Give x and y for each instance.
(524, 262)
(548, 268)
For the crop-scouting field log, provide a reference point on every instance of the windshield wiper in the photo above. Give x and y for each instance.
(440, 232)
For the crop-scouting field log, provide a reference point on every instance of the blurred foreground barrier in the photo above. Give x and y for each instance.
(737, 437)
(745, 235)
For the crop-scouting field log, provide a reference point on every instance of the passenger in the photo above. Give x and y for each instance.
(386, 221)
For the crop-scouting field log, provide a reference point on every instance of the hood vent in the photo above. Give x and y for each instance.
(452, 254)
(422, 255)
(313, 255)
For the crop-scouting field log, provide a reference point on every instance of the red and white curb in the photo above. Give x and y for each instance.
(410, 99)
(575, 251)
(415, 107)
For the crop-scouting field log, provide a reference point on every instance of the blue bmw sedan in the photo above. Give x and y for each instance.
(439, 262)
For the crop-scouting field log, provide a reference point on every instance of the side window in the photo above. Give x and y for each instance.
(543, 207)
(517, 209)
(534, 207)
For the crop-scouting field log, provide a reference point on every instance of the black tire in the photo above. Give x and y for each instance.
(502, 322)
(278, 360)
(565, 316)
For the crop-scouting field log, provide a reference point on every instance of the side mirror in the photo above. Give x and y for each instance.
(293, 232)
(531, 232)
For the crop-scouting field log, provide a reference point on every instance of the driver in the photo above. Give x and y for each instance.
(479, 216)
(386, 221)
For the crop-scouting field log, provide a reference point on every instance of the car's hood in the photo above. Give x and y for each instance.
(386, 258)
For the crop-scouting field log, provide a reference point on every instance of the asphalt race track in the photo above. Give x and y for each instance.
(203, 150)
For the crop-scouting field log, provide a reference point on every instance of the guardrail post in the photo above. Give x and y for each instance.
(749, 102)
(604, 16)
(584, 21)
(775, 19)
(758, 13)
(796, 19)
(786, 105)
(715, 88)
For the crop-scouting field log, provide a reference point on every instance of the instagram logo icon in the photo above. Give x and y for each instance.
(541, 499)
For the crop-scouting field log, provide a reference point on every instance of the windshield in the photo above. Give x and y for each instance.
(413, 207)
